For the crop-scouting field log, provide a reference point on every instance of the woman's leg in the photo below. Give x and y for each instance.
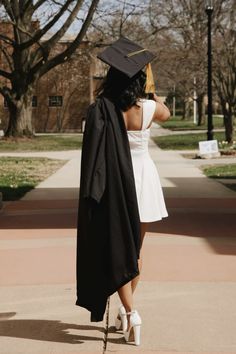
(135, 281)
(126, 296)
(126, 291)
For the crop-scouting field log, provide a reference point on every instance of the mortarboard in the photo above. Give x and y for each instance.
(129, 58)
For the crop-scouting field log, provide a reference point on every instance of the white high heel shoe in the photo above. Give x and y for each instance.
(134, 333)
(121, 320)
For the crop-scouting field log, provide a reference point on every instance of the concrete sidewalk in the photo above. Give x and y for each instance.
(187, 292)
(180, 177)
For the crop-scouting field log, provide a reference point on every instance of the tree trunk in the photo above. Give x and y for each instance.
(200, 110)
(228, 120)
(228, 123)
(203, 111)
(20, 118)
(186, 110)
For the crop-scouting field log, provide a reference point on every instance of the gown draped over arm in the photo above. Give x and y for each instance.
(108, 237)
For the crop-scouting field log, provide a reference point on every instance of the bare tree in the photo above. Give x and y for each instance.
(117, 18)
(183, 59)
(224, 69)
(27, 51)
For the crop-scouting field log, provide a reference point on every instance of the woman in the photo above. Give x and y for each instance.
(127, 189)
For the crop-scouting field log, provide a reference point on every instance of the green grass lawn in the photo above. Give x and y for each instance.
(20, 175)
(43, 143)
(178, 124)
(221, 171)
(184, 141)
(225, 172)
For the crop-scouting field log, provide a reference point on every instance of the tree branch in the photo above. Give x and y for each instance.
(38, 4)
(60, 58)
(36, 37)
(43, 51)
(8, 9)
(15, 9)
(27, 6)
(7, 56)
(1, 90)
(23, 4)
(6, 39)
(5, 74)
(5, 91)
(49, 43)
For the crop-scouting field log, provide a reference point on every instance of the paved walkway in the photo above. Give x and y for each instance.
(187, 292)
(157, 130)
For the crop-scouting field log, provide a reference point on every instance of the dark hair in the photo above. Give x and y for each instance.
(121, 89)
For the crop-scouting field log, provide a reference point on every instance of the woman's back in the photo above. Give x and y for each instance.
(138, 125)
(133, 117)
(139, 117)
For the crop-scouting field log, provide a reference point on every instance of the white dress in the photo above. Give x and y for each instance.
(150, 198)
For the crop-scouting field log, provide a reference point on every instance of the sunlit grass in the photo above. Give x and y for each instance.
(183, 141)
(43, 143)
(177, 123)
(222, 172)
(20, 175)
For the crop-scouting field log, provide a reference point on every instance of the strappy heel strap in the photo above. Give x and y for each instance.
(131, 312)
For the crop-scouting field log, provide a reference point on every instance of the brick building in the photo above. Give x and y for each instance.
(61, 96)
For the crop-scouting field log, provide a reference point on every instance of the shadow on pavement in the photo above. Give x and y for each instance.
(45, 330)
(217, 229)
(118, 338)
(206, 217)
(65, 220)
(196, 187)
(15, 193)
(40, 214)
(6, 315)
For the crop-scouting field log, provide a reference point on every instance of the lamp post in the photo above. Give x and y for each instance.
(209, 10)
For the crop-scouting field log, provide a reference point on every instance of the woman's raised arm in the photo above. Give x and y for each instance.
(162, 112)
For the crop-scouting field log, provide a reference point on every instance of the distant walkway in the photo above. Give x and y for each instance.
(157, 130)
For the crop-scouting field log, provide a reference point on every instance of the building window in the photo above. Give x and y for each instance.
(55, 101)
(34, 101)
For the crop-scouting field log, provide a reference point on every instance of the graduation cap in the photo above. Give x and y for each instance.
(129, 58)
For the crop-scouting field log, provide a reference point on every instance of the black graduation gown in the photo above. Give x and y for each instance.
(108, 238)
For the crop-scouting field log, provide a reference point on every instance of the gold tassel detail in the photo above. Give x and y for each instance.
(150, 85)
